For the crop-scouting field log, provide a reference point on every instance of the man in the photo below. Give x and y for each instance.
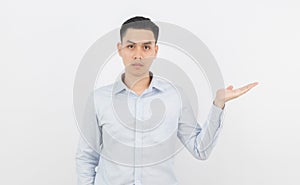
(134, 133)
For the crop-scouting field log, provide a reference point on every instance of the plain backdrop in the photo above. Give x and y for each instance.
(43, 42)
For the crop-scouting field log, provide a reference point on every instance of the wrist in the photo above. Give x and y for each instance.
(219, 104)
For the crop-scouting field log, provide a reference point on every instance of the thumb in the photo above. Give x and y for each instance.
(229, 87)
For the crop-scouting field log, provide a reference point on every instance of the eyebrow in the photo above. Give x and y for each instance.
(149, 42)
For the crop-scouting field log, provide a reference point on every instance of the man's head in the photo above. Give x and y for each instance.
(139, 22)
(138, 45)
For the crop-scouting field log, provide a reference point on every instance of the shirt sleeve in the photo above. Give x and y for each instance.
(199, 140)
(87, 154)
(86, 162)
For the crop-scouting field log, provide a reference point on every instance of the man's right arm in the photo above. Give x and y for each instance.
(87, 156)
(86, 161)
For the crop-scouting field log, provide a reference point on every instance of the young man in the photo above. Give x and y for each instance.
(135, 136)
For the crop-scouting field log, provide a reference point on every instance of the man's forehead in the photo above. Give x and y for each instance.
(139, 35)
(139, 41)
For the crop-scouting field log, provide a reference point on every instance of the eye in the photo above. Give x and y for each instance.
(130, 46)
(146, 47)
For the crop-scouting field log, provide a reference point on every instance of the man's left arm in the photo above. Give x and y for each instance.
(200, 141)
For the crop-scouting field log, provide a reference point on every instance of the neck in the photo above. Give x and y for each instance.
(137, 83)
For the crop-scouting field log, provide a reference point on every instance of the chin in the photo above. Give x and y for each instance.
(140, 72)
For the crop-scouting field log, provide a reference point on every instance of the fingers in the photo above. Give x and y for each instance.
(250, 86)
(246, 88)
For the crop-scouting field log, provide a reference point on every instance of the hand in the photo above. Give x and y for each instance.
(224, 95)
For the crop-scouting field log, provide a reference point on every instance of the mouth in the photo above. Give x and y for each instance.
(137, 64)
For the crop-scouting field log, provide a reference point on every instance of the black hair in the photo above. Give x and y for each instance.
(139, 22)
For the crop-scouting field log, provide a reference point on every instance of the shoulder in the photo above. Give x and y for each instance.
(102, 94)
(103, 91)
(167, 85)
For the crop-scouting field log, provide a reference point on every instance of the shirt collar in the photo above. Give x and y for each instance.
(119, 85)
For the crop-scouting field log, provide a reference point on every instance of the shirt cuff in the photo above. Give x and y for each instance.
(216, 114)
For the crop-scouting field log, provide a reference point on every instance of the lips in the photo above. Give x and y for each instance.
(137, 64)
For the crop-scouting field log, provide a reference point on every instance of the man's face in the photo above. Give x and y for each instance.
(138, 50)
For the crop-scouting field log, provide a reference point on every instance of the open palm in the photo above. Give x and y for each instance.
(224, 95)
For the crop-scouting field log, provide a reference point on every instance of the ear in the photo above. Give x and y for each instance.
(119, 46)
(156, 50)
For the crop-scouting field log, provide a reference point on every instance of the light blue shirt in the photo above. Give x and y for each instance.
(130, 139)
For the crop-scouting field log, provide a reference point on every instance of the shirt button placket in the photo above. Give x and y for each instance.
(138, 143)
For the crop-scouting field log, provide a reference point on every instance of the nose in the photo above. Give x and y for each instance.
(137, 54)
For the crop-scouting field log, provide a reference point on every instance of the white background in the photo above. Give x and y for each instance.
(42, 43)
